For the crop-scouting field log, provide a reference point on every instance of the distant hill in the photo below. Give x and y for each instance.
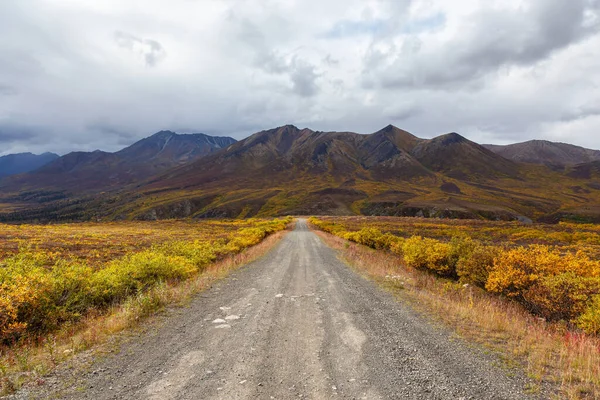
(546, 153)
(287, 170)
(79, 172)
(14, 164)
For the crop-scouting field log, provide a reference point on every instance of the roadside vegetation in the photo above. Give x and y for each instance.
(86, 281)
(530, 291)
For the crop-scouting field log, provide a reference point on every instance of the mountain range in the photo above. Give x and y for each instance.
(287, 170)
(78, 172)
(13, 164)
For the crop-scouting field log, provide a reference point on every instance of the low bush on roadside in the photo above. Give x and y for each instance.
(557, 284)
(589, 321)
(429, 254)
(475, 266)
(40, 292)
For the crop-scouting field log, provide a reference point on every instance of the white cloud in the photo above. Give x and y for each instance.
(151, 51)
(83, 74)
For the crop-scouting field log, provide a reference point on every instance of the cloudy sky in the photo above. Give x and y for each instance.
(89, 74)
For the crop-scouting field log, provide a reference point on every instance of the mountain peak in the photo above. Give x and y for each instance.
(393, 129)
(286, 129)
(163, 134)
(451, 138)
(401, 138)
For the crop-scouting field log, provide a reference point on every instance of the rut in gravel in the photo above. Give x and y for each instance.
(297, 323)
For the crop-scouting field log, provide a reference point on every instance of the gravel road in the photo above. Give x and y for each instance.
(297, 323)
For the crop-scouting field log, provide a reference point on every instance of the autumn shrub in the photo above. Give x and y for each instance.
(199, 253)
(474, 267)
(397, 246)
(558, 283)
(561, 297)
(244, 238)
(429, 254)
(589, 320)
(387, 241)
(460, 247)
(516, 270)
(414, 252)
(329, 227)
(371, 237)
(36, 297)
(135, 273)
(20, 291)
(581, 264)
(554, 285)
(66, 298)
(39, 291)
(10, 326)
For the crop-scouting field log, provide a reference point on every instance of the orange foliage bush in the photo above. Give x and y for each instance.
(560, 282)
(474, 267)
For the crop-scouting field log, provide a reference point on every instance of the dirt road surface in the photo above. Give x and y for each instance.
(296, 324)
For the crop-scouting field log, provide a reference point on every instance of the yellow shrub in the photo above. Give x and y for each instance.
(397, 245)
(371, 237)
(516, 270)
(37, 298)
(559, 283)
(474, 267)
(66, 298)
(589, 321)
(17, 298)
(135, 273)
(40, 290)
(429, 254)
(414, 252)
(245, 238)
(581, 264)
(561, 297)
(199, 253)
(10, 326)
(331, 227)
(23, 283)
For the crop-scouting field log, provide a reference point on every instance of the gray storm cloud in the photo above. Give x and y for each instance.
(489, 40)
